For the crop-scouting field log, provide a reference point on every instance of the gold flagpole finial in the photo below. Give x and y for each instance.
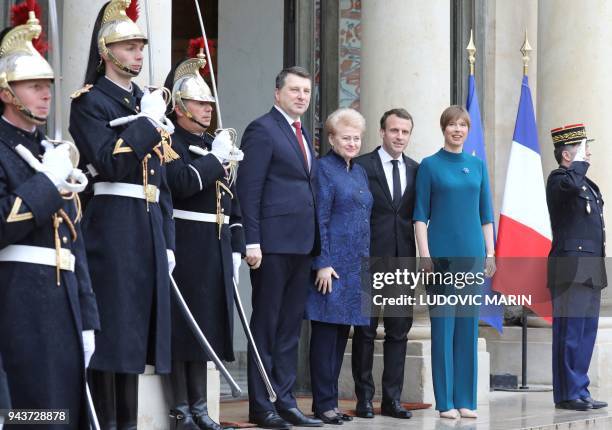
(471, 49)
(525, 50)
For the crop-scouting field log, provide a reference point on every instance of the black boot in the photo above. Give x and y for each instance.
(102, 385)
(180, 414)
(196, 383)
(126, 385)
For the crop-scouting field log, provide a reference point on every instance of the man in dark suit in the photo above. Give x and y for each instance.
(392, 177)
(576, 269)
(276, 190)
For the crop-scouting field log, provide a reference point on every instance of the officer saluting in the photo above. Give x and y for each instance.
(48, 311)
(209, 242)
(128, 221)
(576, 267)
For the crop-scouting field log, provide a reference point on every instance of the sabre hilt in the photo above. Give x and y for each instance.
(235, 155)
(162, 122)
(76, 182)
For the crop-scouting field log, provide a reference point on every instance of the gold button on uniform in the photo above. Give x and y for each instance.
(65, 239)
(148, 155)
(152, 172)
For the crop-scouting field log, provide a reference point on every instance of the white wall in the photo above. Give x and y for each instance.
(250, 56)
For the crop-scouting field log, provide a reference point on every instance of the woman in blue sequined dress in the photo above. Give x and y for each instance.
(344, 203)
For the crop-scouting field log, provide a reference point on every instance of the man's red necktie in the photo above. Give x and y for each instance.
(300, 139)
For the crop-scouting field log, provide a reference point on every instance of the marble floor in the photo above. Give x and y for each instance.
(505, 411)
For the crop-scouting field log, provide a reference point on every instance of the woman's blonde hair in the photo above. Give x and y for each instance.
(344, 116)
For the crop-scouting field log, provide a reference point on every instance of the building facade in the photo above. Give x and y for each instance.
(377, 54)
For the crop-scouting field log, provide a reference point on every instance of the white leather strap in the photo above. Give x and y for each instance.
(198, 216)
(38, 255)
(127, 190)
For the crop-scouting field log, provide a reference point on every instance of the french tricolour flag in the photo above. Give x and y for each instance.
(524, 237)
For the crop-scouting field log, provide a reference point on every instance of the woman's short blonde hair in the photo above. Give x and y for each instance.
(344, 116)
(454, 113)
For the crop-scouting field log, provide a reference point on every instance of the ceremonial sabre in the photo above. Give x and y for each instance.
(247, 330)
(193, 325)
(232, 177)
(235, 155)
(210, 65)
(56, 60)
(57, 93)
(149, 48)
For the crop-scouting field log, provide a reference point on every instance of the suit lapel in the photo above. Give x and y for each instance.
(286, 128)
(380, 175)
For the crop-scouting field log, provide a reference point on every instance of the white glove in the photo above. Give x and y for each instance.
(236, 260)
(581, 152)
(153, 104)
(171, 260)
(166, 124)
(89, 345)
(56, 163)
(78, 182)
(222, 146)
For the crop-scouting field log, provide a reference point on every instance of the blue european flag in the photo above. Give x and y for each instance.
(492, 314)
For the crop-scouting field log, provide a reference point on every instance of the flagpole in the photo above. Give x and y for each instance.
(471, 49)
(525, 50)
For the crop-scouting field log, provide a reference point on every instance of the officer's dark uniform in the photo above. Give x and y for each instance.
(46, 299)
(576, 269)
(204, 250)
(41, 322)
(127, 237)
(204, 261)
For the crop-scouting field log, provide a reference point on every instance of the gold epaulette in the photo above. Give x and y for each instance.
(78, 93)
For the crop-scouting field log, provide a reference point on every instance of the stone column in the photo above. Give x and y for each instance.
(406, 63)
(575, 84)
(77, 23)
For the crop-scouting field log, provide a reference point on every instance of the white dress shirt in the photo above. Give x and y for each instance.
(291, 121)
(385, 158)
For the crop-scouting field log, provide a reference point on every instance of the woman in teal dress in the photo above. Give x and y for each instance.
(454, 227)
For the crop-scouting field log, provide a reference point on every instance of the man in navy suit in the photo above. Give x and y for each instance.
(275, 187)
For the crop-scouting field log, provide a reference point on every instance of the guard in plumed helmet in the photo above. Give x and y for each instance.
(128, 220)
(48, 310)
(576, 269)
(209, 242)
